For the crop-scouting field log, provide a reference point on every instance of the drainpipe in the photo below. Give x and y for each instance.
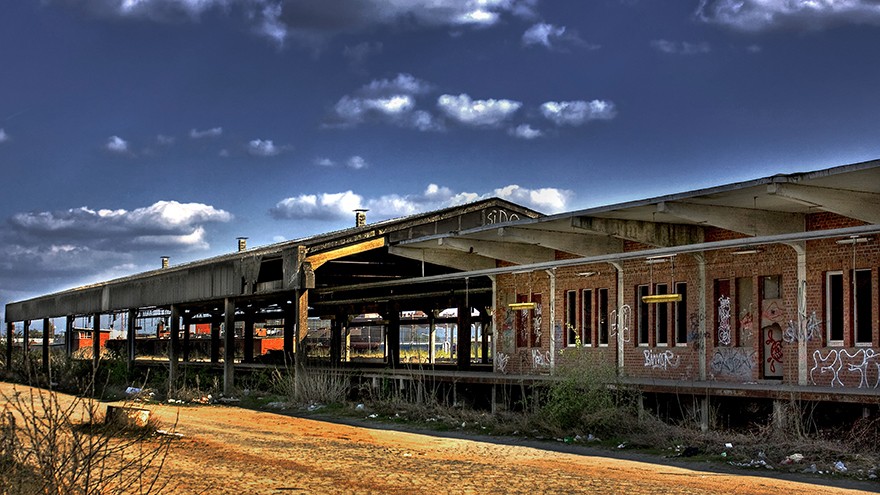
(552, 274)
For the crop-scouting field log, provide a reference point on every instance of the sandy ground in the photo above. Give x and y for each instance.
(231, 450)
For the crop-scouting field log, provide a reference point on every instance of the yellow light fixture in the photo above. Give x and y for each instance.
(661, 298)
(522, 306)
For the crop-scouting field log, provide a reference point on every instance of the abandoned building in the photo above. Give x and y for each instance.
(761, 291)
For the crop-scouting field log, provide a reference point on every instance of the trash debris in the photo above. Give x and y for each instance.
(754, 463)
(792, 459)
(228, 400)
(463, 424)
(276, 405)
(840, 467)
(591, 438)
(133, 391)
(812, 469)
(167, 433)
(728, 445)
(373, 416)
(359, 407)
(315, 407)
(689, 451)
(176, 401)
(622, 446)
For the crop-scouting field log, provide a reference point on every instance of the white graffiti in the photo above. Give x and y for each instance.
(838, 361)
(661, 360)
(501, 361)
(500, 216)
(809, 327)
(620, 319)
(724, 321)
(540, 359)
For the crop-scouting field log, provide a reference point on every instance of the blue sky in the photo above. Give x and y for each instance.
(132, 129)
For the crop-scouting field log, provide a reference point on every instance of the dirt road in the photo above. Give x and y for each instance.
(239, 451)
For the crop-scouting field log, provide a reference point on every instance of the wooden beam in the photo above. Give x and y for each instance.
(320, 258)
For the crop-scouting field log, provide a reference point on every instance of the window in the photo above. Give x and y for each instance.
(603, 316)
(642, 314)
(723, 336)
(661, 317)
(681, 316)
(863, 314)
(571, 317)
(587, 316)
(522, 322)
(834, 307)
(745, 294)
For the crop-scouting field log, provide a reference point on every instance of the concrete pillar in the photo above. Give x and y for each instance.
(46, 334)
(495, 325)
(248, 337)
(215, 338)
(621, 322)
(229, 346)
(463, 349)
(704, 413)
(701, 301)
(780, 414)
(10, 339)
(68, 335)
(432, 337)
(800, 248)
(174, 345)
(131, 338)
(336, 339)
(485, 331)
(96, 340)
(393, 337)
(552, 326)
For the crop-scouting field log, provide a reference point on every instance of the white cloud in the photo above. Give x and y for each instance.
(541, 34)
(265, 148)
(207, 133)
(525, 131)
(384, 100)
(165, 140)
(578, 112)
(757, 15)
(339, 206)
(681, 47)
(3, 136)
(116, 144)
(324, 162)
(356, 163)
(489, 112)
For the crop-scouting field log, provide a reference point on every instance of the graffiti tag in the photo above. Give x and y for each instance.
(661, 360)
(837, 361)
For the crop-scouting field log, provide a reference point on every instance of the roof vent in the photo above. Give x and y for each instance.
(360, 217)
(242, 244)
(165, 261)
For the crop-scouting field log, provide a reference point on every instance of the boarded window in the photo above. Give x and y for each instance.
(681, 315)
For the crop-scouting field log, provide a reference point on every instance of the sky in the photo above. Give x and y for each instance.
(135, 129)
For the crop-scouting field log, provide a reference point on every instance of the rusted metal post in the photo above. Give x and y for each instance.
(131, 338)
(96, 341)
(46, 334)
(174, 345)
(10, 339)
(228, 346)
(248, 337)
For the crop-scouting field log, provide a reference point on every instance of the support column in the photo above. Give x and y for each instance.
(780, 414)
(622, 324)
(289, 328)
(463, 349)
(551, 274)
(704, 414)
(432, 336)
(46, 330)
(346, 352)
(393, 336)
(96, 340)
(174, 346)
(10, 339)
(701, 291)
(131, 336)
(495, 326)
(229, 346)
(485, 331)
(248, 337)
(68, 335)
(336, 340)
(26, 345)
(800, 248)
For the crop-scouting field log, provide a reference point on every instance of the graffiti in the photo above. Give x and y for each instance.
(500, 216)
(723, 320)
(540, 359)
(746, 319)
(773, 346)
(773, 312)
(838, 361)
(501, 361)
(809, 327)
(620, 319)
(536, 325)
(661, 360)
(735, 362)
(695, 337)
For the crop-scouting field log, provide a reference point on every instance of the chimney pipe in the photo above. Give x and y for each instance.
(165, 261)
(360, 217)
(242, 244)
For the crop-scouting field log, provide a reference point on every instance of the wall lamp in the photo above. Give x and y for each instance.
(739, 252)
(661, 298)
(854, 240)
(522, 306)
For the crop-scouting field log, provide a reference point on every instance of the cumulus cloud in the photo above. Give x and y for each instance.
(265, 148)
(116, 144)
(384, 100)
(356, 163)
(525, 131)
(165, 140)
(206, 133)
(554, 37)
(681, 47)
(757, 15)
(324, 162)
(3, 136)
(489, 112)
(578, 112)
(167, 222)
(339, 206)
(315, 21)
